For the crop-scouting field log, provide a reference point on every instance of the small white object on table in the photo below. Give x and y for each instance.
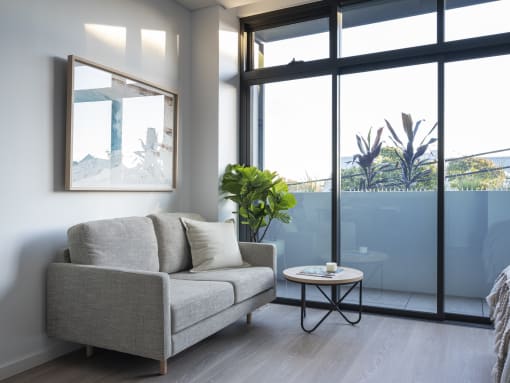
(331, 267)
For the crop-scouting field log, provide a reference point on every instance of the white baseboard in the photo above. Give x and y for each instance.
(35, 359)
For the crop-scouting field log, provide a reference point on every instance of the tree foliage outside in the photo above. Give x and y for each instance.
(474, 173)
(394, 175)
(407, 166)
(351, 178)
(311, 185)
(261, 195)
(466, 174)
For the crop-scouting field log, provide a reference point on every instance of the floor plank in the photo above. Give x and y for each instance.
(275, 349)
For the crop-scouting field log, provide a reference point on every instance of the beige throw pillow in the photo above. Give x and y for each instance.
(213, 245)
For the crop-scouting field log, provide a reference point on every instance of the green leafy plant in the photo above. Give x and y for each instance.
(366, 160)
(411, 161)
(261, 195)
(475, 173)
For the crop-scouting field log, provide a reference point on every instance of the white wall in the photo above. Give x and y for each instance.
(204, 115)
(215, 84)
(35, 39)
(228, 116)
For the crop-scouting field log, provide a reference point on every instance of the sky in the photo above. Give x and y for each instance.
(298, 113)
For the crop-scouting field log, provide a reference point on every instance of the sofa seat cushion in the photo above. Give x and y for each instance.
(120, 242)
(193, 301)
(173, 249)
(247, 282)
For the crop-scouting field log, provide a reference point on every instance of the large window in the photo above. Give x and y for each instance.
(376, 26)
(477, 151)
(466, 19)
(282, 45)
(396, 147)
(296, 127)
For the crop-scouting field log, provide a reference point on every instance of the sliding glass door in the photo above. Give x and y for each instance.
(388, 155)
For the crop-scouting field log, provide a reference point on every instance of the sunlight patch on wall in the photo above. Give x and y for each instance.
(153, 42)
(228, 41)
(108, 34)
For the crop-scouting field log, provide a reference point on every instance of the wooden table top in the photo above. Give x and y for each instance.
(347, 275)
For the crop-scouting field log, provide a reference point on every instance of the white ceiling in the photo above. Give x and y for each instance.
(244, 7)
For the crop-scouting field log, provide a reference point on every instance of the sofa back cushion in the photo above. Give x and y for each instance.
(213, 245)
(174, 252)
(121, 242)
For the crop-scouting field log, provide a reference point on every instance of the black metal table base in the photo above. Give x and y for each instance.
(335, 306)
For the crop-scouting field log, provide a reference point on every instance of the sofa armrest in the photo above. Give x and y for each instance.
(259, 254)
(118, 309)
(63, 256)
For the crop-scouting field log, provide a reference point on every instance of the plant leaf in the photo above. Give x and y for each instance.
(417, 126)
(394, 135)
(407, 123)
(360, 144)
(378, 136)
(367, 146)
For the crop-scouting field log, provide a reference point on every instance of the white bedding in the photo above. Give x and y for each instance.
(499, 304)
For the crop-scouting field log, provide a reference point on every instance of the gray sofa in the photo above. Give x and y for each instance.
(123, 285)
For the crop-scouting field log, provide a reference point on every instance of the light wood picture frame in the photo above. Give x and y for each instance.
(121, 131)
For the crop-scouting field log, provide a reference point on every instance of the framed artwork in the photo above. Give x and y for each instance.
(121, 131)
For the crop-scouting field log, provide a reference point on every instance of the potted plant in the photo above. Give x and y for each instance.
(366, 160)
(261, 195)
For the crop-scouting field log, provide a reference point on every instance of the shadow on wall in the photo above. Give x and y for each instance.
(23, 306)
(59, 121)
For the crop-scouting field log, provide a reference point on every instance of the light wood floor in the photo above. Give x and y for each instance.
(275, 349)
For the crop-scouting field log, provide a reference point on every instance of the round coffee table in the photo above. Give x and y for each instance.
(347, 276)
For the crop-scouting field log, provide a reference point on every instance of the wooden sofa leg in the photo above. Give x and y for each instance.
(163, 367)
(89, 351)
(248, 318)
